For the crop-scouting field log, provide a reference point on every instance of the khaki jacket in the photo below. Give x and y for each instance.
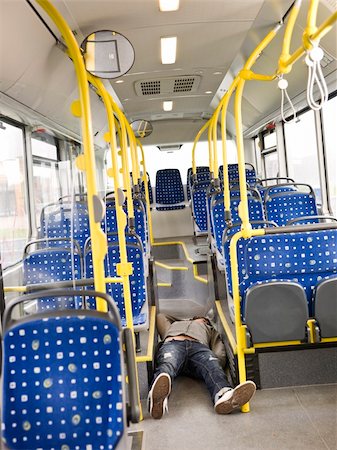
(205, 334)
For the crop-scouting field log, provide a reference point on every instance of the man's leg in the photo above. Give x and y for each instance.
(205, 365)
(170, 360)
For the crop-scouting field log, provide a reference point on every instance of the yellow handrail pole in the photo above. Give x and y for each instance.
(240, 330)
(86, 161)
(213, 128)
(322, 30)
(311, 24)
(243, 206)
(285, 53)
(124, 268)
(147, 196)
(210, 149)
(196, 140)
(124, 155)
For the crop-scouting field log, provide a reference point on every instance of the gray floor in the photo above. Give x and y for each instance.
(282, 419)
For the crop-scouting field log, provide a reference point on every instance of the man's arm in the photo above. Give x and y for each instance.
(163, 322)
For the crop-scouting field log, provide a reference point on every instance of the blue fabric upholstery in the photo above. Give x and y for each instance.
(274, 190)
(50, 265)
(62, 385)
(169, 188)
(303, 257)
(199, 204)
(137, 280)
(56, 222)
(255, 209)
(109, 223)
(203, 174)
(285, 206)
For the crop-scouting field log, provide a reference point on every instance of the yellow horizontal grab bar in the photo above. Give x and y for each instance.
(164, 284)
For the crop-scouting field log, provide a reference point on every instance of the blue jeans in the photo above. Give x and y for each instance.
(192, 359)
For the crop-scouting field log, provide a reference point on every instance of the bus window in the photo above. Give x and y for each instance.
(301, 151)
(269, 155)
(330, 141)
(45, 175)
(270, 160)
(13, 204)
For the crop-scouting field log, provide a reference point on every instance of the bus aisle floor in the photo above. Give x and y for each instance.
(285, 418)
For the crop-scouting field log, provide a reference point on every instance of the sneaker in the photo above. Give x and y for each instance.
(158, 396)
(235, 398)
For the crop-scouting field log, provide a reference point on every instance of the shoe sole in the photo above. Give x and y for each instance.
(241, 396)
(161, 390)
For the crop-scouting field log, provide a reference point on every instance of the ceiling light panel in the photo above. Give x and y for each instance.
(168, 49)
(168, 5)
(167, 106)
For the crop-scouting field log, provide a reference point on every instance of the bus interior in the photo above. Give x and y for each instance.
(176, 157)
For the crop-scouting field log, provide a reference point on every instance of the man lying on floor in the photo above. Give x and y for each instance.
(194, 348)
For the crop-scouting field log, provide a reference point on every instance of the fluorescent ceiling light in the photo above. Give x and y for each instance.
(167, 106)
(168, 50)
(119, 81)
(168, 5)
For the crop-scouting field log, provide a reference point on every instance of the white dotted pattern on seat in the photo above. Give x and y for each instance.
(137, 280)
(50, 266)
(199, 204)
(255, 209)
(302, 257)
(169, 187)
(57, 222)
(63, 384)
(291, 205)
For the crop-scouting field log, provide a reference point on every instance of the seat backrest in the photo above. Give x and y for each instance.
(109, 223)
(281, 207)
(199, 204)
(137, 279)
(255, 209)
(63, 382)
(50, 265)
(169, 187)
(304, 257)
(325, 307)
(57, 220)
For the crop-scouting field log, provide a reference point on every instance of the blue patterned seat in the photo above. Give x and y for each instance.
(57, 219)
(137, 282)
(255, 209)
(52, 264)
(203, 174)
(199, 205)
(169, 190)
(63, 380)
(282, 207)
(301, 257)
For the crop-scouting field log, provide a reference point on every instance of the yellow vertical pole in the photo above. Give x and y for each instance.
(86, 161)
(196, 140)
(147, 196)
(124, 268)
(210, 149)
(243, 207)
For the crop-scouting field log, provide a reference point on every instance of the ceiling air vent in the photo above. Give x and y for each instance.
(183, 84)
(150, 87)
(168, 85)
